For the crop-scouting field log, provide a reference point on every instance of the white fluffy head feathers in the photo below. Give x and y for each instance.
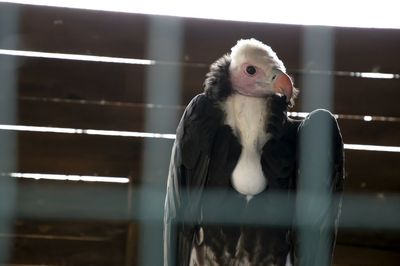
(252, 49)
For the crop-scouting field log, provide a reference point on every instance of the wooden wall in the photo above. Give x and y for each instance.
(82, 223)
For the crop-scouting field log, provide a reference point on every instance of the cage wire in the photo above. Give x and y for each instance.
(8, 91)
(163, 87)
(313, 196)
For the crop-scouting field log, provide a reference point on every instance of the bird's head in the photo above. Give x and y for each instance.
(255, 70)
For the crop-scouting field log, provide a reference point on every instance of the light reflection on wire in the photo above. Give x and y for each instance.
(116, 133)
(135, 61)
(62, 177)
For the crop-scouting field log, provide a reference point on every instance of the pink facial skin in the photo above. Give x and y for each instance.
(259, 84)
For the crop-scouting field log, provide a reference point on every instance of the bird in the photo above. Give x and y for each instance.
(234, 180)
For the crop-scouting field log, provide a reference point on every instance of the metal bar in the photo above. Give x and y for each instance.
(165, 43)
(313, 195)
(8, 143)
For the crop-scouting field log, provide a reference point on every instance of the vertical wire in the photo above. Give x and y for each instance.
(8, 143)
(313, 196)
(163, 86)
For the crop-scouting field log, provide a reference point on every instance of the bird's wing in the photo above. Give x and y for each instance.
(278, 159)
(187, 176)
(308, 160)
(319, 183)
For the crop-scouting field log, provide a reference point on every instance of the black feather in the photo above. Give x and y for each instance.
(217, 85)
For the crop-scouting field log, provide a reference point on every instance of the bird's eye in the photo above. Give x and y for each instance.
(251, 70)
(273, 77)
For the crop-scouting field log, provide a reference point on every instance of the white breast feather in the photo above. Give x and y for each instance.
(247, 117)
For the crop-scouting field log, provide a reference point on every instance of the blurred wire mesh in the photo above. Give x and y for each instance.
(145, 199)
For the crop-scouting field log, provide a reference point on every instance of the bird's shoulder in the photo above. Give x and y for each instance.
(199, 123)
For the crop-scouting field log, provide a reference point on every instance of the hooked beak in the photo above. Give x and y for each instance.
(282, 84)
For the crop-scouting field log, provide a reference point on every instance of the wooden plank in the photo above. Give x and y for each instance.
(118, 156)
(69, 223)
(121, 34)
(354, 49)
(81, 80)
(107, 205)
(96, 81)
(372, 172)
(377, 239)
(371, 133)
(132, 118)
(72, 230)
(85, 116)
(77, 31)
(367, 96)
(32, 248)
(83, 201)
(72, 201)
(61, 252)
(79, 154)
(358, 256)
(127, 83)
(369, 50)
(207, 40)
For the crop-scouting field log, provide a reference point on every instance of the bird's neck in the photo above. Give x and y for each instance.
(247, 116)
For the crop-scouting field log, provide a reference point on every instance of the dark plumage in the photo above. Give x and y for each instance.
(217, 85)
(212, 163)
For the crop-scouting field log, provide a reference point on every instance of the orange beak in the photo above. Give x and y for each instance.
(283, 85)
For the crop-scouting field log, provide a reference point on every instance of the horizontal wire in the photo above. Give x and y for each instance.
(23, 128)
(61, 177)
(367, 118)
(55, 237)
(95, 58)
(134, 61)
(78, 131)
(17, 264)
(100, 102)
(77, 57)
(356, 74)
(362, 147)
(366, 211)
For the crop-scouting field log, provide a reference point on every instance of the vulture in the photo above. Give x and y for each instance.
(237, 190)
